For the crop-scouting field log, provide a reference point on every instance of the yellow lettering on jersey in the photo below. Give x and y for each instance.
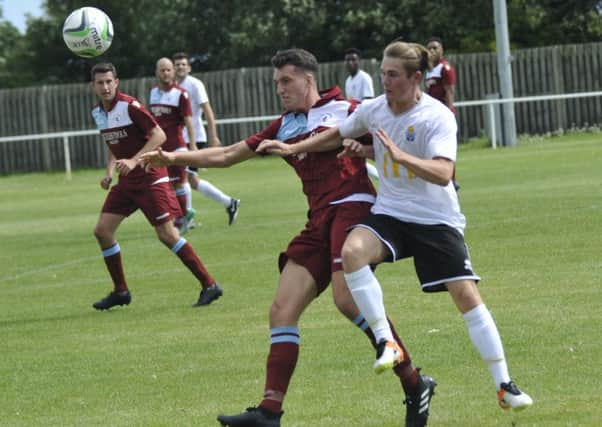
(395, 166)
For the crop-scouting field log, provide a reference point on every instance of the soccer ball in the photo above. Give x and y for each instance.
(88, 32)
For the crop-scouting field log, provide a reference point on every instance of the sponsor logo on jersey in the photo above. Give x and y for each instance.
(159, 110)
(410, 134)
(114, 136)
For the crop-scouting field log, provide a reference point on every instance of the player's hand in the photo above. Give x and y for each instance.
(105, 183)
(274, 146)
(396, 153)
(125, 166)
(156, 158)
(351, 148)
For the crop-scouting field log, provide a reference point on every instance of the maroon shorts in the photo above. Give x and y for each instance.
(177, 174)
(318, 246)
(157, 202)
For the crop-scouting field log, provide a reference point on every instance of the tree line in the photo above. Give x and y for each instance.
(223, 34)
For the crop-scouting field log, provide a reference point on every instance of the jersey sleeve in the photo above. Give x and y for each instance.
(268, 132)
(184, 106)
(354, 125)
(442, 137)
(448, 75)
(142, 119)
(368, 87)
(202, 93)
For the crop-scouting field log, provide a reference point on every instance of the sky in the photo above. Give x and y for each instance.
(14, 11)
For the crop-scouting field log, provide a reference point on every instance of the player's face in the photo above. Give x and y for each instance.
(436, 50)
(165, 73)
(292, 86)
(182, 68)
(352, 63)
(398, 86)
(105, 86)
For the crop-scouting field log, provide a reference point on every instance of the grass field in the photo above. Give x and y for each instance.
(534, 229)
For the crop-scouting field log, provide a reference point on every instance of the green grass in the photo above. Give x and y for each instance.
(534, 227)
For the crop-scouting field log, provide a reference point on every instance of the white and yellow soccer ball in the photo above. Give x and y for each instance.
(88, 32)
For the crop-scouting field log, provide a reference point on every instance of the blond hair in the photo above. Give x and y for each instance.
(414, 56)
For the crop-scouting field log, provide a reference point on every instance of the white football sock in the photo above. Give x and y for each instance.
(211, 191)
(486, 339)
(368, 297)
(186, 187)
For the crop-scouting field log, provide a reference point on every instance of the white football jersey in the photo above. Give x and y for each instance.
(198, 95)
(359, 86)
(426, 131)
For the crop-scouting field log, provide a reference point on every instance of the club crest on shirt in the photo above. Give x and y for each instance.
(410, 134)
(326, 117)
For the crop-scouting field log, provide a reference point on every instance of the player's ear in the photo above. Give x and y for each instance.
(418, 77)
(310, 78)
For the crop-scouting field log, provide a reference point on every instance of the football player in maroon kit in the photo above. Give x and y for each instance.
(129, 130)
(441, 79)
(170, 106)
(339, 194)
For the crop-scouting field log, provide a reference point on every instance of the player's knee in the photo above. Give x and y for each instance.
(277, 312)
(101, 233)
(352, 254)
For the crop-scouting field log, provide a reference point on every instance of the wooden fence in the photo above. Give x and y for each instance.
(250, 92)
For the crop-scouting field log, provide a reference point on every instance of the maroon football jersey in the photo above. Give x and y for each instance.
(125, 128)
(325, 177)
(169, 107)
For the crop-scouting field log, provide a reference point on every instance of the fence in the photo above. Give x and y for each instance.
(250, 92)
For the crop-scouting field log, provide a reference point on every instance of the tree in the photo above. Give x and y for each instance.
(10, 43)
(223, 34)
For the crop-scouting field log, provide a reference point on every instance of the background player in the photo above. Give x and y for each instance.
(200, 104)
(358, 85)
(170, 106)
(129, 130)
(440, 81)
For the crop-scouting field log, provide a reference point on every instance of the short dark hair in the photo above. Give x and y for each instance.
(298, 57)
(180, 55)
(434, 39)
(353, 51)
(103, 67)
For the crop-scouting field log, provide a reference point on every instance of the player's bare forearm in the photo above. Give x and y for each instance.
(106, 180)
(323, 141)
(212, 157)
(190, 130)
(449, 97)
(211, 125)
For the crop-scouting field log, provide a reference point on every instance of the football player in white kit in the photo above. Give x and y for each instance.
(200, 104)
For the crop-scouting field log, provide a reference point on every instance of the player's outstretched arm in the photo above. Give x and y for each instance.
(213, 157)
(323, 141)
